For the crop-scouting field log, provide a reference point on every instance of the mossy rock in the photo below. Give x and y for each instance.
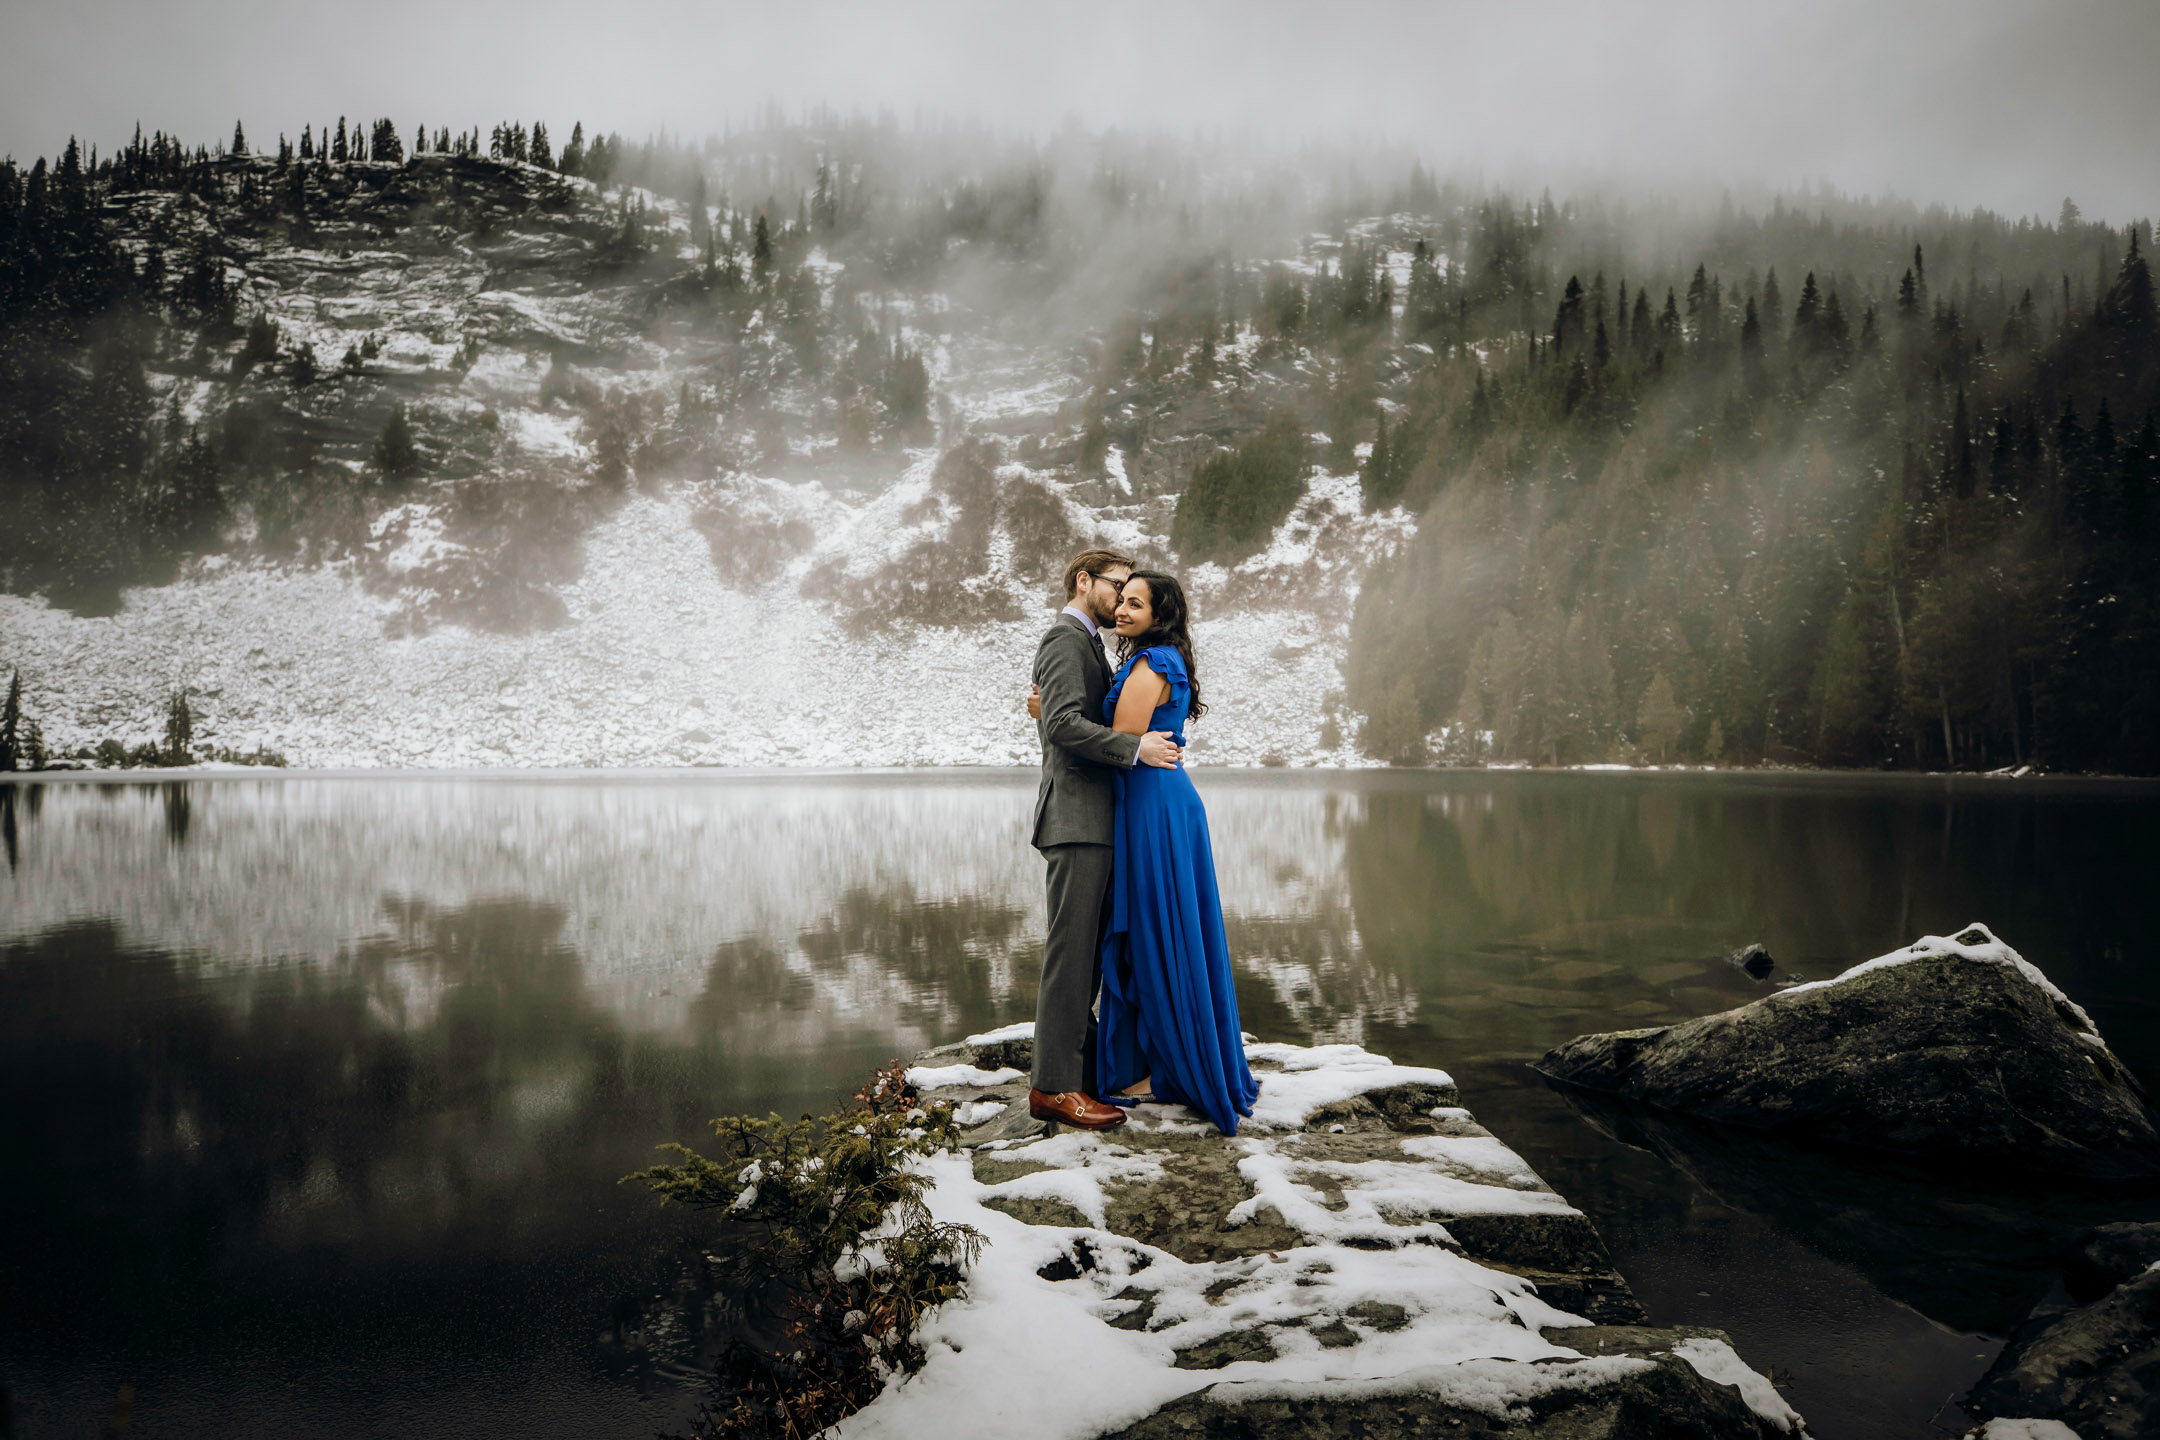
(1030, 1210)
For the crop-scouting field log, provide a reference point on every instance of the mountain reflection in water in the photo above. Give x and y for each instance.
(314, 1091)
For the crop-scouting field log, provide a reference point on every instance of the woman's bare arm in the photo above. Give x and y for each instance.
(1144, 690)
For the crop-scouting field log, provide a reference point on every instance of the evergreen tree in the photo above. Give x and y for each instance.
(1751, 349)
(307, 142)
(542, 153)
(179, 730)
(1963, 471)
(761, 252)
(239, 141)
(339, 150)
(384, 145)
(1480, 420)
(1376, 476)
(1773, 312)
(396, 456)
(11, 724)
(1568, 320)
(573, 154)
(1834, 333)
(2128, 308)
(1659, 719)
(1804, 338)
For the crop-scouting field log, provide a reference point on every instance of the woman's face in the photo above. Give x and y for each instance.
(1135, 609)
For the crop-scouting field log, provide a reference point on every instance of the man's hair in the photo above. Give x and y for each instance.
(1091, 562)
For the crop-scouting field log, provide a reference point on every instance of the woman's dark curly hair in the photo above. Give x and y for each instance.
(1172, 627)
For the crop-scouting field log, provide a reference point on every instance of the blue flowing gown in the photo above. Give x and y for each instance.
(1168, 1007)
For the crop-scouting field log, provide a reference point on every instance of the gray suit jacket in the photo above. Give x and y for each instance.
(1076, 804)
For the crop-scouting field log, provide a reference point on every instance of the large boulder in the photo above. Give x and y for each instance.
(1951, 1051)
(2095, 1369)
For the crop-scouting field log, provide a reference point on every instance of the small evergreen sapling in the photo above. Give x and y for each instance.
(825, 1228)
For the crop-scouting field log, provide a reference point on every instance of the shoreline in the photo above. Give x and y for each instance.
(1377, 776)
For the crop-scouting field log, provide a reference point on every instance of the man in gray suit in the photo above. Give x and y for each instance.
(1075, 812)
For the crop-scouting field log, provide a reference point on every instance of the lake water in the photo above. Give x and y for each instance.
(314, 1091)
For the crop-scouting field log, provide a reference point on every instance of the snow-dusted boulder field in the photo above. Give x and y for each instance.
(1362, 1259)
(1957, 1051)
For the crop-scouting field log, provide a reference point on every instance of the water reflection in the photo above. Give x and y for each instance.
(1969, 1256)
(179, 807)
(332, 1079)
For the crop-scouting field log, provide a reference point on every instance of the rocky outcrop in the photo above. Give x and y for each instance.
(1362, 1258)
(1952, 1051)
(2096, 1368)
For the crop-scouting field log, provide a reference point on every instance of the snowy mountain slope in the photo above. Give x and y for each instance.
(645, 533)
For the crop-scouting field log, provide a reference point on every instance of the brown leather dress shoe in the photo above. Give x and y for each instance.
(1082, 1112)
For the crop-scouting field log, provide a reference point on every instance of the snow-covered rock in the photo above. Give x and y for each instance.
(1362, 1258)
(1956, 1050)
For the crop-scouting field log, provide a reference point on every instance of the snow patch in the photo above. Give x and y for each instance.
(1717, 1362)
(2001, 1428)
(940, 1077)
(1025, 1030)
(1324, 1075)
(1974, 942)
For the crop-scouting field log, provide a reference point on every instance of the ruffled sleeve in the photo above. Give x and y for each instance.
(1165, 661)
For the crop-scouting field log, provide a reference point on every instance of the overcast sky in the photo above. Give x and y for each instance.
(2011, 104)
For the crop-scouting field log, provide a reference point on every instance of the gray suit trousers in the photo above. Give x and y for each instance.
(1072, 967)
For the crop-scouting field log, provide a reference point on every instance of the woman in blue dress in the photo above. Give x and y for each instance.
(1168, 1021)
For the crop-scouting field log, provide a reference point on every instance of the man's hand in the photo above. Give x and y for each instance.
(1034, 705)
(1159, 750)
